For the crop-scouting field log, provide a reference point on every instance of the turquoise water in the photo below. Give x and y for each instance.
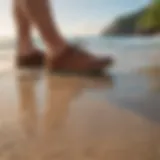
(130, 53)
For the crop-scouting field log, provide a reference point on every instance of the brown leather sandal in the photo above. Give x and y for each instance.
(73, 60)
(32, 60)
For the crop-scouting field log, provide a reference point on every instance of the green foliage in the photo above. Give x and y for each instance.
(151, 17)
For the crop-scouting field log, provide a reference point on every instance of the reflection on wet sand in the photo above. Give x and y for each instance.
(52, 136)
(28, 106)
(60, 92)
(77, 123)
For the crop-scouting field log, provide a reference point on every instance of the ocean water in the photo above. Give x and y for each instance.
(129, 53)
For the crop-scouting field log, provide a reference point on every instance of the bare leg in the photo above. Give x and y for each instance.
(23, 27)
(38, 11)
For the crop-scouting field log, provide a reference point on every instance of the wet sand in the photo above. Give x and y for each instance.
(76, 118)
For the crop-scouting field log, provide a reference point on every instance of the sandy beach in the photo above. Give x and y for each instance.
(78, 118)
(52, 116)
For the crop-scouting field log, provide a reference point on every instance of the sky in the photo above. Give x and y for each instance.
(75, 17)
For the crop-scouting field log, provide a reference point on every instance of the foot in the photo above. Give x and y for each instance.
(35, 59)
(75, 60)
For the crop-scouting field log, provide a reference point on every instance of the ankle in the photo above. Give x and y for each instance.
(25, 49)
(24, 45)
(55, 51)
